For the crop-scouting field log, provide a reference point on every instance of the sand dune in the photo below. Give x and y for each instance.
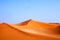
(29, 30)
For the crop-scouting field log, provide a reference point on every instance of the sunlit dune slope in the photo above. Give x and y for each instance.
(29, 30)
(39, 26)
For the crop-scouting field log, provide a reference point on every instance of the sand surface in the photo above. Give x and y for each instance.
(29, 30)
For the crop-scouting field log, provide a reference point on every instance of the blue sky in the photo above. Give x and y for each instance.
(15, 11)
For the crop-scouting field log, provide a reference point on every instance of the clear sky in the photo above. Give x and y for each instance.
(15, 11)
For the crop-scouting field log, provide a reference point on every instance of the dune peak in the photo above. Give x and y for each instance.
(25, 22)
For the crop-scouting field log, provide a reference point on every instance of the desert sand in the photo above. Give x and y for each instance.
(30, 30)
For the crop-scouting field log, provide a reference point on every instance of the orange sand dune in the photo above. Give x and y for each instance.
(29, 30)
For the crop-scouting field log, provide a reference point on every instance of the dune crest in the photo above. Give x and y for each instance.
(24, 22)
